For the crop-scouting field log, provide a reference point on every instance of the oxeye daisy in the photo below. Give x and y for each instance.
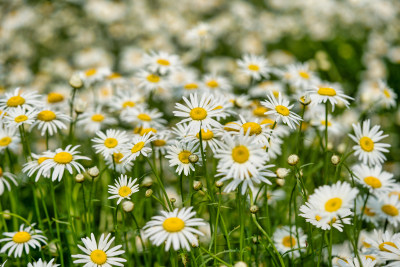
(335, 128)
(19, 99)
(300, 76)
(280, 110)
(99, 254)
(32, 166)
(264, 88)
(368, 214)
(391, 253)
(368, 150)
(137, 146)
(91, 76)
(123, 188)
(258, 130)
(355, 262)
(19, 116)
(175, 228)
(60, 160)
(387, 208)
(41, 263)
(381, 239)
(208, 137)
(109, 143)
(22, 240)
(287, 238)
(254, 66)
(4, 176)
(125, 99)
(9, 138)
(178, 155)
(374, 178)
(116, 162)
(143, 117)
(49, 121)
(151, 81)
(328, 92)
(213, 83)
(199, 113)
(93, 121)
(162, 62)
(388, 96)
(56, 99)
(161, 142)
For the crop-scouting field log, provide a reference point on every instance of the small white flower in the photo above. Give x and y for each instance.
(123, 188)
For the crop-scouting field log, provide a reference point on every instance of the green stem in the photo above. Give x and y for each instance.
(59, 247)
(160, 183)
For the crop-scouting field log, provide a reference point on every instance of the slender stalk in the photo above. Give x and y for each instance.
(59, 247)
(160, 183)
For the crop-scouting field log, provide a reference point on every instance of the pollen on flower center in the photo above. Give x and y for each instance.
(323, 122)
(282, 110)
(46, 115)
(326, 91)
(163, 62)
(41, 159)
(333, 204)
(5, 141)
(173, 224)
(390, 210)
(98, 117)
(98, 256)
(382, 246)
(159, 142)
(255, 128)
(253, 67)
(20, 118)
(198, 114)
(190, 86)
(21, 237)
(240, 154)
(15, 101)
(63, 158)
(137, 147)
(124, 191)
(144, 117)
(212, 83)
(118, 157)
(289, 241)
(205, 135)
(111, 142)
(366, 144)
(386, 93)
(369, 212)
(90, 72)
(54, 97)
(304, 75)
(259, 111)
(373, 182)
(184, 156)
(129, 104)
(153, 78)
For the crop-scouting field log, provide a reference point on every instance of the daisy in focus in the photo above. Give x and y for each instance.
(4, 176)
(19, 116)
(136, 147)
(387, 207)
(328, 92)
(116, 162)
(374, 178)
(254, 66)
(18, 98)
(50, 122)
(179, 155)
(123, 188)
(32, 166)
(110, 142)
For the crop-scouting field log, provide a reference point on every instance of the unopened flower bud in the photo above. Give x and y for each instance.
(94, 172)
(147, 181)
(128, 206)
(193, 158)
(335, 159)
(148, 193)
(240, 264)
(80, 106)
(75, 81)
(282, 172)
(280, 182)
(195, 245)
(6, 214)
(293, 159)
(330, 146)
(219, 184)
(79, 178)
(197, 185)
(305, 99)
(256, 239)
(172, 199)
(341, 148)
(254, 209)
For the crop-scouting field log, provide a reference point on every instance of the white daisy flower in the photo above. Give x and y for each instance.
(143, 117)
(334, 127)
(388, 96)
(32, 166)
(19, 99)
(199, 114)
(388, 208)
(391, 253)
(22, 240)
(91, 76)
(209, 138)
(368, 214)
(280, 109)
(254, 66)
(374, 178)
(123, 188)
(328, 92)
(355, 262)
(93, 121)
(109, 143)
(50, 122)
(99, 255)
(9, 138)
(137, 146)
(161, 142)
(162, 62)
(381, 239)
(213, 83)
(4, 176)
(285, 239)
(150, 81)
(264, 88)
(125, 99)
(300, 76)
(118, 163)
(19, 116)
(41, 263)
(260, 132)
(368, 150)
(61, 160)
(175, 228)
(178, 155)
(57, 100)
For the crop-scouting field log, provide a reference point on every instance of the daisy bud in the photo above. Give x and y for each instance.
(330, 146)
(335, 159)
(197, 185)
(128, 206)
(80, 106)
(341, 148)
(79, 178)
(75, 81)
(195, 245)
(254, 209)
(6, 214)
(94, 172)
(305, 99)
(240, 264)
(280, 182)
(148, 193)
(256, 239)
(219, 184)
(147, 181)
(293, 159)
(282, 172)
(172, 199)
(193, 158)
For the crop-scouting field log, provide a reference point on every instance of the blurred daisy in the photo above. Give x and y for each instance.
(32, 166)
(328, 92)
(91, 76)
(214, 83)
(125, 99)
(334, 127)
(151, 81)
(19, 241)
(116, 161)
(374, 178)
(368, 214)
(368, 150)
(19, 116)
(4, 176)
(178, 155)
(391, 253)
(285, 239)
(56, 99)
(264, 88)
(280, 109)
(93, 121)
(143, 117)
(355, 262)
(138, 146)
(174, 228)
(300, 76)
(19, 99)
(161, 142)
(254, 66)
(109, 143)
(50, 122)
(387, 207)
(388, 96)
(123, 188)
(41, 263)
(381, 239)
(162, 62)
(9, 138)
(99, 254)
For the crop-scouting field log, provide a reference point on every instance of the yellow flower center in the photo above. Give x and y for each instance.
(144, 131)
(323, 123)
(268, 121)
(386, 93)
(124, 191)
(114, 75)
(163, 62)
(15, 101)
(212, 83)
(173, 224)
(373, 182)
(128, 104)
(253, 67)
(382, 246)
(205, 135)
(20, 118)
(110, 142)
(240, 154)
(198, 114)
(365, 244)
(54, 97)
(153, 78)
(98, 117)
(98, 256)
(228, 128)
(183, 156)
(41, 159)
(326, 91)
(63, 157)
(118, 157)
(144, 117)
(390, 210)
(333, 204)
(366, 144)
(90, 72)
(284, 111)
(1, 172)
(190, 86)
(304, 75)
(318, 218)
(5, 141)
(255, 128)
(137, 147)
(370, 257)
(46, 115)
(369, 212)
(259, 111)
(289, 241)
(159, 142)
(21, 237)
